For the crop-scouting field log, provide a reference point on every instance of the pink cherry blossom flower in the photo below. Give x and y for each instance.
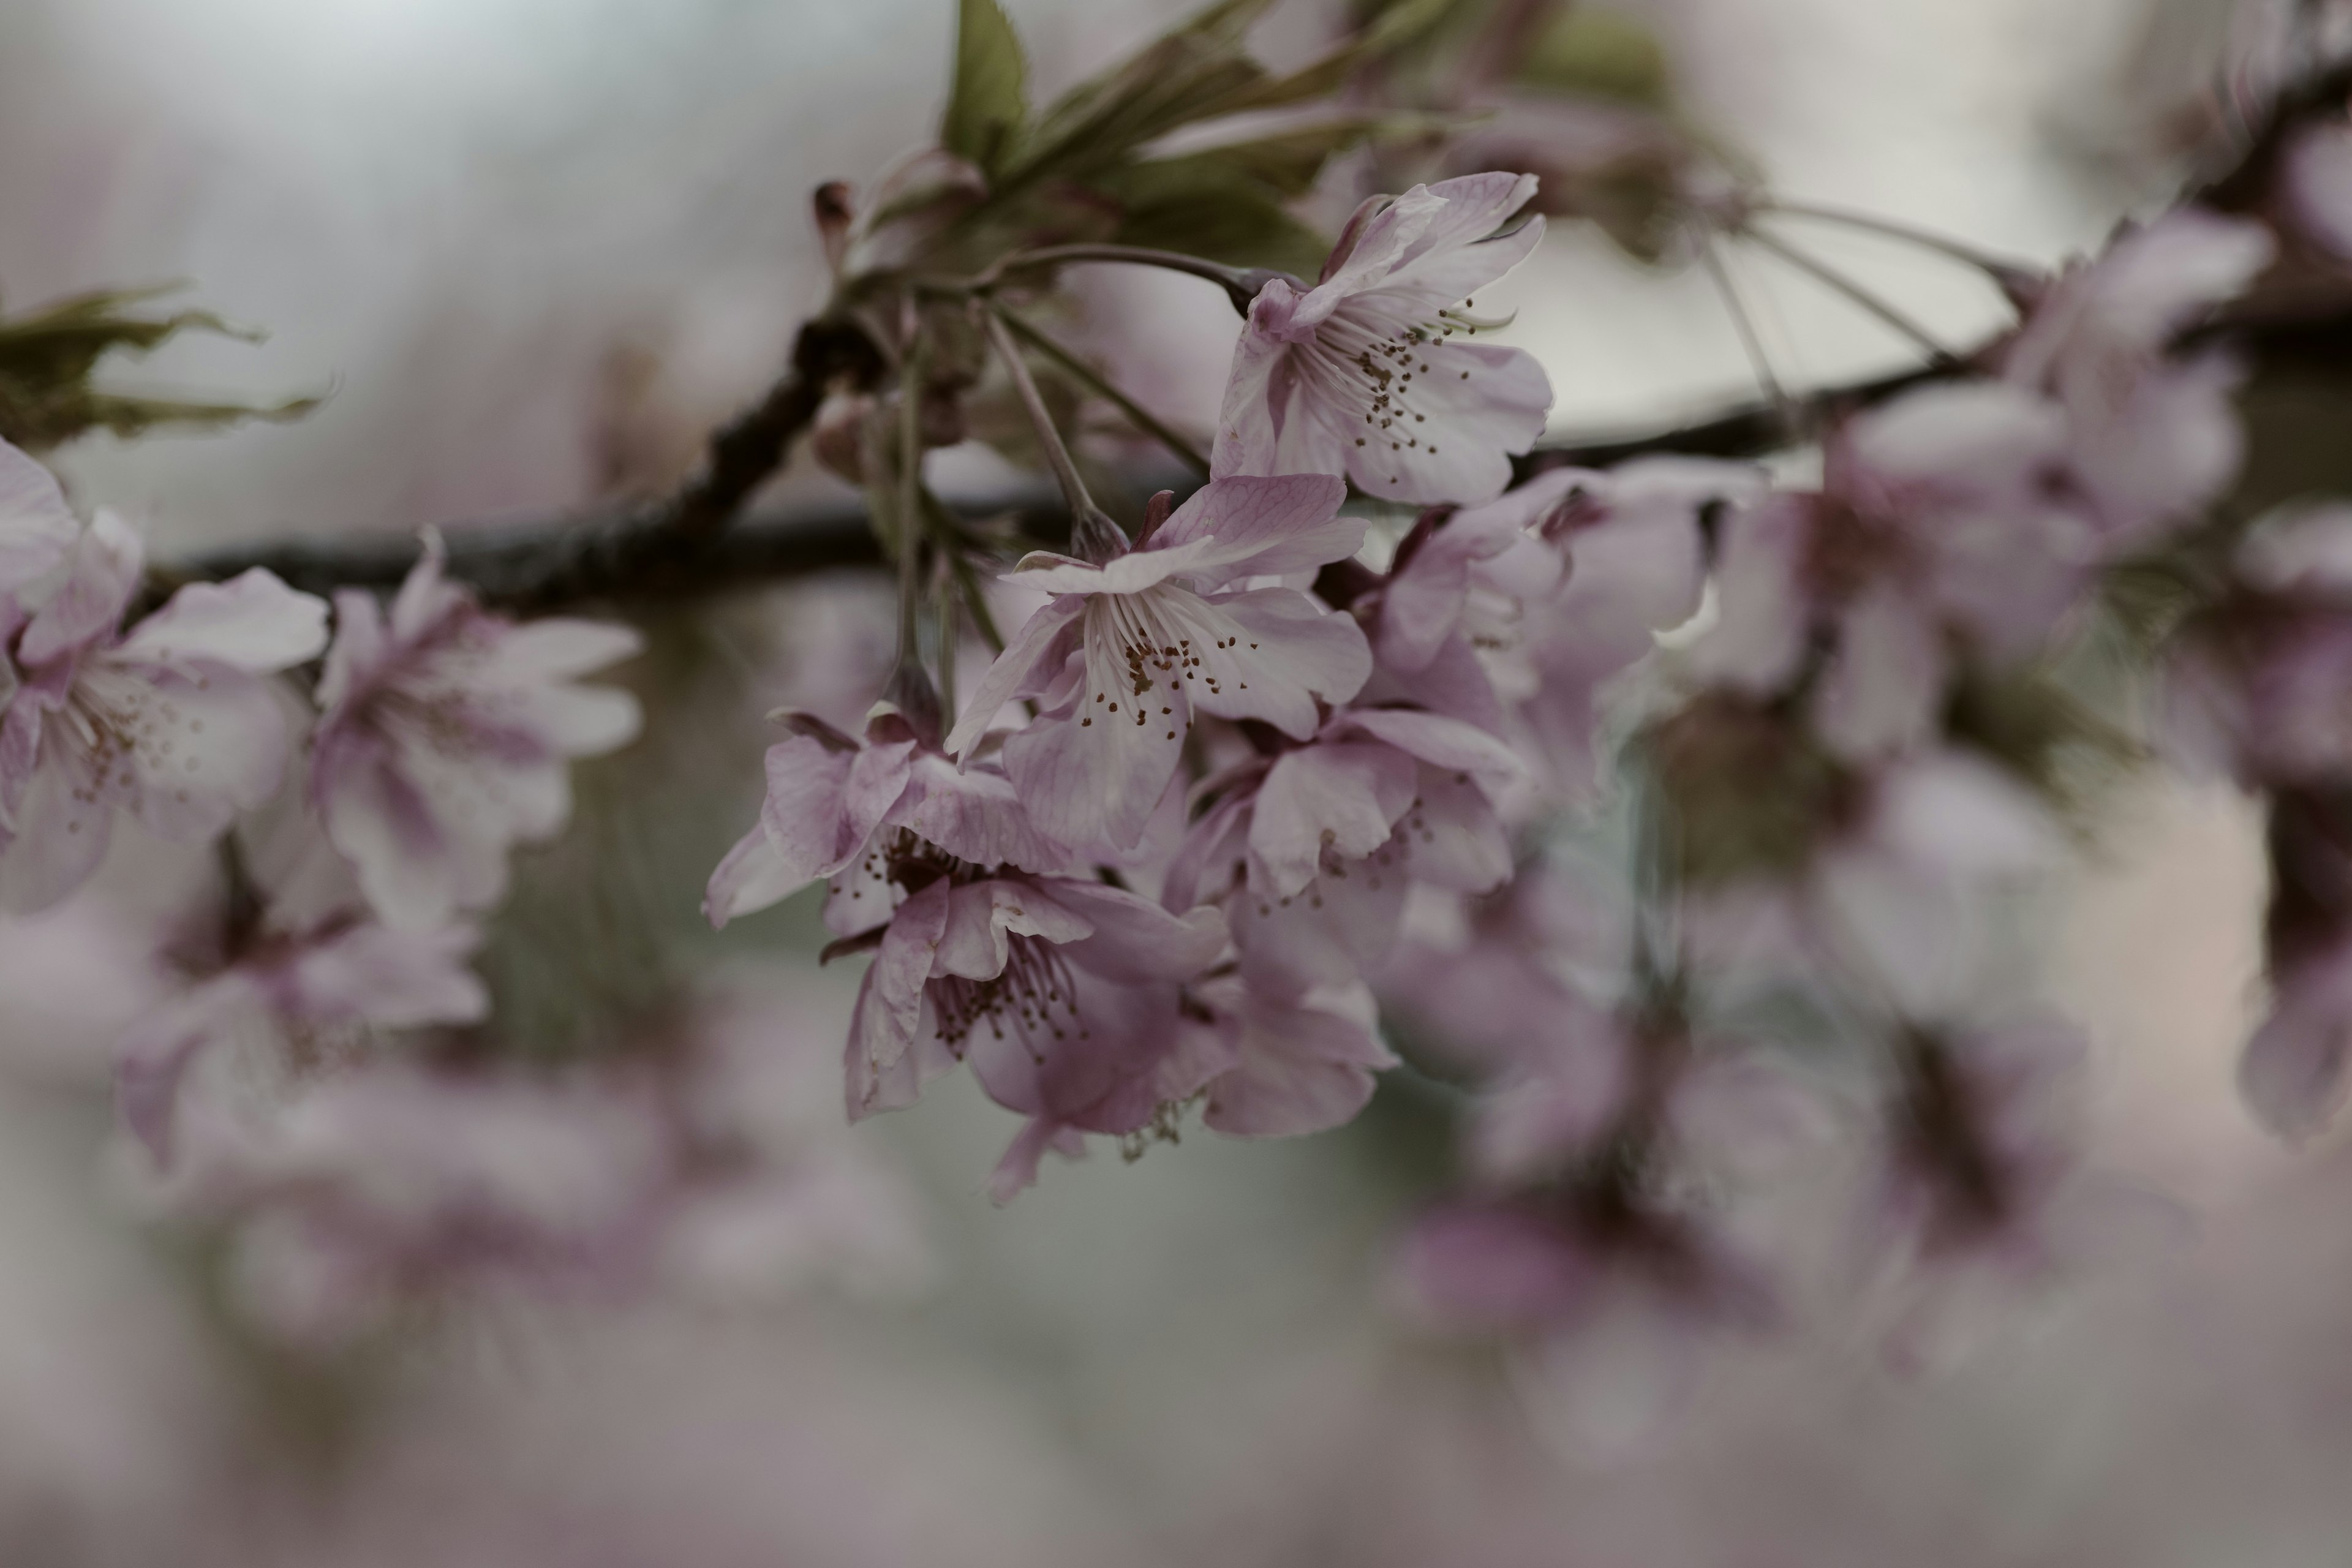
(828, 795)
(1984, 1195)
(169, 721)
(1635, 539)
(38, 529)
(1125, 1063)
(1128, 652)
(1310, 851)
(373, 1188)
(2259, 683)
(1299, 1065)
(1367, 372)
(2292, 1073)
(974, 959)
(2318, 174)
(2151, 434)
(295, 999)
(1941, 522)
(447, 737)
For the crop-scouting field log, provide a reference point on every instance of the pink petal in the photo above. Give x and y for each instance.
(1264, 526)
(1037, 635)
(254, 623)
(1302, 1069)
(1134, 940)
(1342, 795)
(102, 575)
(974, 816)
(753, 875)
(1290, 652)
(37, 528)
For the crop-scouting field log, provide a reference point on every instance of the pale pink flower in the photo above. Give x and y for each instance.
(1310, 851)
(971, 959)
(1126, 653)
(447, 737)
(1299, 1065)
(2318, 173)
(373, 1187)
(828, 795)
(1368, 374)
(2259, 686)
(169, 721)
(294, 999)
(38, 529)
(1124, 1063)
(2292, 1073)
(1635, 541)
(1940, 528)
(1984, 1196)
(2152, 436)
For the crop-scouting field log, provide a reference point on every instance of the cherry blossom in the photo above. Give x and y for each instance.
(1097, 656)
(1370, 372)
(2151, 435)
(170, 721)
(295, 999)
(447, 737)
(828, 795)
(1310, 851)
(972, 958)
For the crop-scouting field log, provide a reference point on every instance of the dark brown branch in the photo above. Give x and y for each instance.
(630, 556)
(676, 545)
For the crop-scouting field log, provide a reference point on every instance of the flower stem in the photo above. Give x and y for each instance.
(910, 490)
(1136, 414)
(1749, 341)
(2003, 272)
(1093, 535)
(1829, 277)
(1241, 284)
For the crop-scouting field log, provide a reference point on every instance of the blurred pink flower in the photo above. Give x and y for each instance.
(1094, 764)
(1636, 543)
(447, 735)
(168, 722)
(2152, 436)
(2292, 1073)
(302, 998)
(1324, 381)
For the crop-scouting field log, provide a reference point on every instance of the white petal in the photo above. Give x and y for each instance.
(254, 622)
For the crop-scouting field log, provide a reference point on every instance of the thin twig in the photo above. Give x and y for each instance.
(508, 563)
(1839, 283)
(1241, 284)
(1749, 341)
(1092, 532)
(2001, 269)
(1136, 414)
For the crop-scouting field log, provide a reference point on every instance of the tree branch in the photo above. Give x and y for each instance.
(682, 546)
(636, 555)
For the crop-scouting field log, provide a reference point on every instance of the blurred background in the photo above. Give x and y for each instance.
(534, 249)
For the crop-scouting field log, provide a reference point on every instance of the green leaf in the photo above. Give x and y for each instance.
(989, 102)
(47, 360)
(1597, 54)
(1179, 77)
(1395, 28)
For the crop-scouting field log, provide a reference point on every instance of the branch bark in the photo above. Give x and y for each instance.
(681, 548)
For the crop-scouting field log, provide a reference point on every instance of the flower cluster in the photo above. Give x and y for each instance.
(1680, 816)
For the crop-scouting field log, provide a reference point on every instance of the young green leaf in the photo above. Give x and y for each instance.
(989, 102)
